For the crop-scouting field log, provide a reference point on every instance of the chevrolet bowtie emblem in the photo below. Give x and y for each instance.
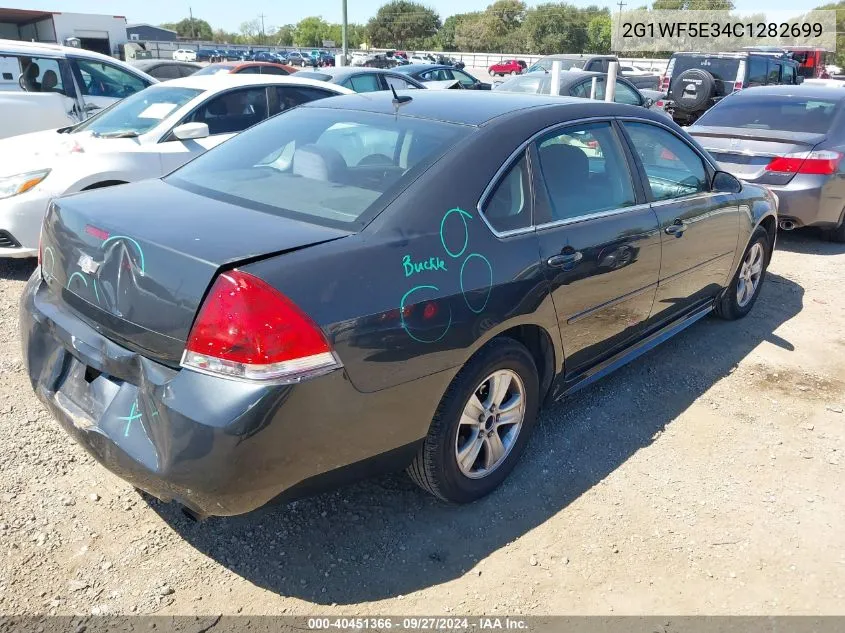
(88, 265)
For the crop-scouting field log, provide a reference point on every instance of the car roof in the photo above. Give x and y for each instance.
(810, 91)
(466, 107)
(418, 68)
(577, 56)
(50, 50)
(221, 81)
(242, 63)
(735, 54)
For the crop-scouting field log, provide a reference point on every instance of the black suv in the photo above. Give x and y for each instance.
(694, 82)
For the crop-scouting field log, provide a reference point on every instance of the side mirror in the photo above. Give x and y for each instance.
(188, 131)
(800, 79)
(723, 182)
(648, 102)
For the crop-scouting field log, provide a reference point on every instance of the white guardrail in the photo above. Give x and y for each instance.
(164, 50)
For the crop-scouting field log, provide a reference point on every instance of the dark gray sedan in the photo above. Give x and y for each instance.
(578, 83)
(366, 283)
(362, 79)
(790, 139)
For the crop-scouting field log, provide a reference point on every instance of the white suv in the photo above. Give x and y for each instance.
(44, 86)
(185, 55)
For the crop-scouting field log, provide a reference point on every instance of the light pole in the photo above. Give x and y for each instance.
(345, 42)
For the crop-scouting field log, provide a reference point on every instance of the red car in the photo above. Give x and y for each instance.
(255, 68)
(507, 67)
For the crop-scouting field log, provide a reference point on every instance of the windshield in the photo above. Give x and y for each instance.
(565, 64)
(329, 166)
(214, 69)
(532, 84)
(772, 112)
(139, 113)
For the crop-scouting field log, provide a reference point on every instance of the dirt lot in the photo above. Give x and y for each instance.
(705, 478)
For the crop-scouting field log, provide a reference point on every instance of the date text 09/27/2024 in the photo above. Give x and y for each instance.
(419, 624)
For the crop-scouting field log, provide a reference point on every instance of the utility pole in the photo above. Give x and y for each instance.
(191, 19)
(345, 43)
(619, 4)
(262, 16)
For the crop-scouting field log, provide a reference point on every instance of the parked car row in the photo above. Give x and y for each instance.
(411, 272)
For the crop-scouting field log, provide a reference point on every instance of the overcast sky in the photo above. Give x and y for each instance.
(229, 14)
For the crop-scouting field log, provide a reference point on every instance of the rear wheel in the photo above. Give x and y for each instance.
(513, 72)
(481, 426)
(738, 298)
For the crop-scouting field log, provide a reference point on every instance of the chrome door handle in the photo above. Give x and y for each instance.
(676, 228)
(557, 261)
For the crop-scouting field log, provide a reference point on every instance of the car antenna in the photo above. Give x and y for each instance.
(398, 101)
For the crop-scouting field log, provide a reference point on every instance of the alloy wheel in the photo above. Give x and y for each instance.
(749, 275)
(490, 424)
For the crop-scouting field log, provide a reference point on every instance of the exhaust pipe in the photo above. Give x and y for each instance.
(787, 225)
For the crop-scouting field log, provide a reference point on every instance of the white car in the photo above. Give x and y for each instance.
(421, 59)
(185, 55)
(146, 135)
(44, 86)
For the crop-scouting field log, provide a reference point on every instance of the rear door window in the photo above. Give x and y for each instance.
(757, 71)
(273, 70)
(166, 71)
(32, 74)
(249, 70)
(774, 72)
(286, 97)
(585, 171)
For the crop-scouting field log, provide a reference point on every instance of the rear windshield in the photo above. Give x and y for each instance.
(311, 75)
(723, 69)
(523, 83)
(334, 167)
(565, 64)
(140, 112)
(772, 112)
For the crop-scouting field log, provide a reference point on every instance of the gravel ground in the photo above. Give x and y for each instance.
(704, 478)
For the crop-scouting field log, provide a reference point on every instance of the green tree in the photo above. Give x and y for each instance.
(839, 7)
(251, 31)
(311, 31)
(598, 34)
(284, 36)
(402, 24)
(446, 34)
(191, 28)
(470, 33)
(557, 28)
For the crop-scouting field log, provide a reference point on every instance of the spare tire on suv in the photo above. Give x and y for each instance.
(693, 90)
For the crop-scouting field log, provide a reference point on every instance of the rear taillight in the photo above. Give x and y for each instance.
(821, 163)
(737, 85)
(247, 329)
(664, 83)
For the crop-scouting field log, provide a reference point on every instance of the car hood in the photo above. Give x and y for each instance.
(41, 150)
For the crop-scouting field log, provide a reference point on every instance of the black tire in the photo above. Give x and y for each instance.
(435, 468)
(513, 72)
(837, 234)
(728, 306)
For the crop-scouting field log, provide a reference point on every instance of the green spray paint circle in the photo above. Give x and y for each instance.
(489, 286)
(405, 325)
(463, 215)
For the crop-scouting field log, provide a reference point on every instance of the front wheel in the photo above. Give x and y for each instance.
(513, 72)
(482, 424)
(739, 297)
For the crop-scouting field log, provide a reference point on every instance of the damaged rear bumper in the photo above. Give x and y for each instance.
(217, 446)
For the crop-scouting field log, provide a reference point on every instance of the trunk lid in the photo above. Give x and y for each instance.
(135, 261)
(746, 152)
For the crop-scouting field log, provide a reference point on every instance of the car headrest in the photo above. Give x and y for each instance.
(49, 81)
(565, 162)
(318, 163)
